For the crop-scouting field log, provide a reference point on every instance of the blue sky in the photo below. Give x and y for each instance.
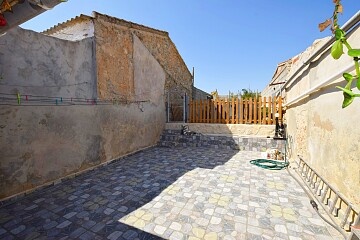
(232, 44)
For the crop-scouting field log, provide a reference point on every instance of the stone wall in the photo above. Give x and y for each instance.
(114, 39)
(114, 60)
(41, 142)
(321, 131)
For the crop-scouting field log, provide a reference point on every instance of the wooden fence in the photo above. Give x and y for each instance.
(236, 111)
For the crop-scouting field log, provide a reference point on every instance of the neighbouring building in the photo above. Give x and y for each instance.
(273, 89)
(80, 94)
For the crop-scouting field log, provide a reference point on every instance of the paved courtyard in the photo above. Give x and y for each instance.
(169, 193)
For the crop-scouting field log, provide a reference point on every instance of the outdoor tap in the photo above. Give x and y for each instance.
(277, 126)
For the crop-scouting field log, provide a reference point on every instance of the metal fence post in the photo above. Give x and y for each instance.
(168, 106)
(184, 108)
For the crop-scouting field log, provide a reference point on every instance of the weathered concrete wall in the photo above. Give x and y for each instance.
(35, 64)
(321, 131)
(226, 129)
(39, 144)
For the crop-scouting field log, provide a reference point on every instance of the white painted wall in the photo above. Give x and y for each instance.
(76, 31)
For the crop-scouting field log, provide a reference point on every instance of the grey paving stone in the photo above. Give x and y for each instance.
(18, 229)
(130, 234)
(77, 232)
(169, 192)
(2, 231)
(50, 224)
(114, 235)
(64, 224)
(97, 227)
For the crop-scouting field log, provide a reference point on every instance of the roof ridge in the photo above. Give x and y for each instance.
(130, 24)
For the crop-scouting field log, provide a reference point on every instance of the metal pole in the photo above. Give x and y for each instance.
(168, 107)
(184, 108)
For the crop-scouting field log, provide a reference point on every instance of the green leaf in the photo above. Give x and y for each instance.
(348, 91)
(337, 49)
(358, 84)
(348, 76)
(349, 97)
(354, 52)
(339, 34)
(347, 100)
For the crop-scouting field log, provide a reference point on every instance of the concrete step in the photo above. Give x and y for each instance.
(174, 138)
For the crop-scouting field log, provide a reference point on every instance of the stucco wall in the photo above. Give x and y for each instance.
(149, 77)
(35, 64)
(321, 131)
(39, 144)
(164, 50)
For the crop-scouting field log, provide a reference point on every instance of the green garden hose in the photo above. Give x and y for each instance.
(270, 164)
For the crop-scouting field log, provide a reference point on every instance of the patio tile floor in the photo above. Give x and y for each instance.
(169, 193)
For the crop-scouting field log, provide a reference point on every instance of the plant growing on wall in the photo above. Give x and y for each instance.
(337, 50)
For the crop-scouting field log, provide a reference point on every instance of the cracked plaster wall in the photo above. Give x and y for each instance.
(321, 131)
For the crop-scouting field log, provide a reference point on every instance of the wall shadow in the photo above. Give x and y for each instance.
(90, 205)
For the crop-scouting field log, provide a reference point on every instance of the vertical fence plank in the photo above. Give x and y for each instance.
(212, 111)
(246, 110)
(237, 111)
(241, 113)
(225, 111)
(255, 110)
(264, 111)
(280, 108)
(217, 111)
(273, 110)
(250, 110)
(269, 111)
(259, 115)
(232, 111)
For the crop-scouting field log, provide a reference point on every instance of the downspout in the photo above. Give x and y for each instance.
(346, 27)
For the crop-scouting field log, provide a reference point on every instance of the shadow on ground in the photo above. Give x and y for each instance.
(89, 206)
